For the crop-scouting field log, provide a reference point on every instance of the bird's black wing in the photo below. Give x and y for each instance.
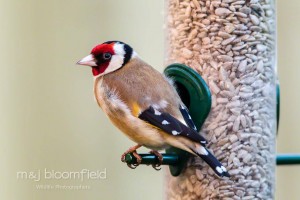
(170, 124)
(187, 118)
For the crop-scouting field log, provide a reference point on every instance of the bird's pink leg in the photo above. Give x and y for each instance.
(160, 159)
(135, 154)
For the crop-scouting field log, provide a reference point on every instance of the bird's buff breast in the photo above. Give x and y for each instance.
(121, 116)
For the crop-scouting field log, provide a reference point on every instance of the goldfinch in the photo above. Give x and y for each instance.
(143, 104)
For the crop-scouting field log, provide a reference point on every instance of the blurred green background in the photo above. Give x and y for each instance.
(49, 118)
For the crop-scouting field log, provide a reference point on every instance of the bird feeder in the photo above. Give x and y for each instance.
(231, 44)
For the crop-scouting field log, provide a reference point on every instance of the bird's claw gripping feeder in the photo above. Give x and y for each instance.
(196, 95)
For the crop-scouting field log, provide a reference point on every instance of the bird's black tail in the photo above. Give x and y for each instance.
(200, 149)
(212, 161)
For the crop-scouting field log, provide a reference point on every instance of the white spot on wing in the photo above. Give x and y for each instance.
(175, 132)
(224, 169)
(189, 116)
(165, 122)
(156, 112)
(219, 169)
(201, 150)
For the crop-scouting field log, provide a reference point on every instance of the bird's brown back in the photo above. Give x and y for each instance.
(145, 85)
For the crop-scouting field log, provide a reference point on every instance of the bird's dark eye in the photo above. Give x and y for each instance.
(106, 56)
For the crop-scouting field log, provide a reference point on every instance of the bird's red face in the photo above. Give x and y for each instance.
(107, 57)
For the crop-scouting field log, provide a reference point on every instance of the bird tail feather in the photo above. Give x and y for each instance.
(212, 161)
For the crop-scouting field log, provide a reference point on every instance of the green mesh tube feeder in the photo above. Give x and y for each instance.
(195, 94)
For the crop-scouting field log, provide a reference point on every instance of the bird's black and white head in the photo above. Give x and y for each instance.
(108, 57)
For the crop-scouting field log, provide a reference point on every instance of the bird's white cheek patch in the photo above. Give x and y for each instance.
(115, 63)
(116, 60)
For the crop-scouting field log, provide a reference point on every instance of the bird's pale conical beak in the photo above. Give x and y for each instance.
(88, 61)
